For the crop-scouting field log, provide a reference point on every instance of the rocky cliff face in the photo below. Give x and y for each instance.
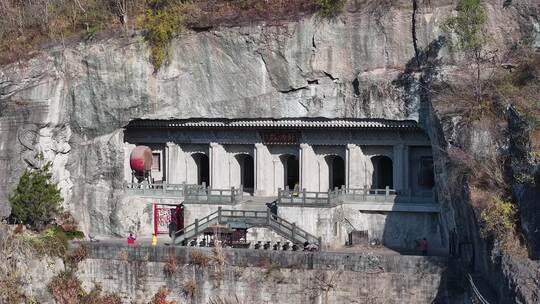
(71, 102)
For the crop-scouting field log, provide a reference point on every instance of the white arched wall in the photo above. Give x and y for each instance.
(322, 177)
(278, 166)
(190, 171)
(234, 178)
(369, 152)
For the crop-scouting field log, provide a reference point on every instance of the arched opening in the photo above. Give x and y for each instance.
(247, 171)
(291, 170)
(203, 168)
(336, 171)
(382, 172)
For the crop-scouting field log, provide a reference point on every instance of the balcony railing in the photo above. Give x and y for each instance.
(191, 193)
(367, 199)
(336, 196)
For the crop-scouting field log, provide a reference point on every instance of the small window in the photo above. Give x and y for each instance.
(156, 161)
(425, 176)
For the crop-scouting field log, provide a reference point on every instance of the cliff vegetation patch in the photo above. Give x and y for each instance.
(475, 107)
(66, 289)
(26, 26)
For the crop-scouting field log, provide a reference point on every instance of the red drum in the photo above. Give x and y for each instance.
(141, 159)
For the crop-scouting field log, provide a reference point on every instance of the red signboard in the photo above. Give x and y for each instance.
(280, 137)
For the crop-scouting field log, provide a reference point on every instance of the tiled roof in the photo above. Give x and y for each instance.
(284, 123)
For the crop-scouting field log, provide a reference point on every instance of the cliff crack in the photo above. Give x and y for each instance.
(415, 44)
(356, 86)
(293, 89)
(330, 76)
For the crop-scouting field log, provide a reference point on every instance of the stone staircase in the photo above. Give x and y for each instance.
(250, 218)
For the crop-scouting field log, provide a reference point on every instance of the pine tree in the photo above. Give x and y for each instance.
(36, 200)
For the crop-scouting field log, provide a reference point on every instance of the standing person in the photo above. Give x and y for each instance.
(424, 246)
(131, 239)
(154, 240)
(172, 228)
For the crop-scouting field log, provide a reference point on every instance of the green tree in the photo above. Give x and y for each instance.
(469, 26)
(36, 200)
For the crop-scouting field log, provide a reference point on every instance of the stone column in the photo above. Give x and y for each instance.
(308, 168)
(348, 164)
(406, 169)
(401, 167)
(354, 164)
(219, 166)
(397, 166)
(264, 175)
(176, 164)
(277, 175)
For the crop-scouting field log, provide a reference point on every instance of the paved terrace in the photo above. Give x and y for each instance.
(363, 199)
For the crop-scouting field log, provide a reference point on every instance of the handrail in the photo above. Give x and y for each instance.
(475, 290)
(266, 219)
(197, 222)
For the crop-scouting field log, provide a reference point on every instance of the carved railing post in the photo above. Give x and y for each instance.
(365, 193)
(328, 196)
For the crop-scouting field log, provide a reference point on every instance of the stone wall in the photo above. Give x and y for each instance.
(136, 273)
(397, 230)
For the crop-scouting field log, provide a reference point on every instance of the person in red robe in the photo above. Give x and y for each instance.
(131, 239)
(424, 246)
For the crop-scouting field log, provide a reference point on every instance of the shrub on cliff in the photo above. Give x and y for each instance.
(500, 222)
(36, 200)
(163, 21)
(329, 8)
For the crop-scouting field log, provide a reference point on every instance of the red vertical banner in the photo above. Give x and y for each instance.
(155, 219)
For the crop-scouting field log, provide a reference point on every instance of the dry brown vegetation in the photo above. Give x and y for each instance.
(27, 25)
(77, 255)
(66, 289)
(513, 81)
(189, 288)
(161, 297)
(200, 258)
(171, 265)
(12, 252)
